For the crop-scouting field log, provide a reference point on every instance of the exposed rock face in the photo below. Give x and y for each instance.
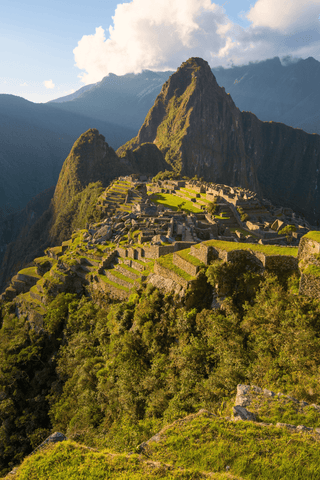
(200, 131)
(146, 159)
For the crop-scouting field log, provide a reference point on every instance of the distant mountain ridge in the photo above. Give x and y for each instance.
(288, 93)
(123, 99)
(35, 140)
(73, 95)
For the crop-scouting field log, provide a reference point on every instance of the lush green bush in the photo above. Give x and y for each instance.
(166, 175)
(212, 206)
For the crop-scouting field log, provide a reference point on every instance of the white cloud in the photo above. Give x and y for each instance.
(284, 15)
(48, 84)
(155, 35)
(23, 84)
(161, 34)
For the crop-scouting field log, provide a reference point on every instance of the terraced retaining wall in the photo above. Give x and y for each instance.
(185, 265)
(165, 272)
(99, 285)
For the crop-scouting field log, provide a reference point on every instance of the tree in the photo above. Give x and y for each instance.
(288, 231)
(212, 206)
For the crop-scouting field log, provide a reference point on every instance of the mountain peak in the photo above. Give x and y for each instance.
(180, 104)
(86, 163)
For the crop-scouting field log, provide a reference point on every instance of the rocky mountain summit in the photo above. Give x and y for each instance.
(199, 130)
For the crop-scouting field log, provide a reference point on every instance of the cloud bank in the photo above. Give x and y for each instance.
(48, 84)
(161, 34)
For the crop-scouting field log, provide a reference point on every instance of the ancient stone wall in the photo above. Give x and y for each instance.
(307, 247)
(185, 265)
(116, 293)
(156, 251)
(165, 272)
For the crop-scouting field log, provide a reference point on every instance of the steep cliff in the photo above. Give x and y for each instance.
(199, 129)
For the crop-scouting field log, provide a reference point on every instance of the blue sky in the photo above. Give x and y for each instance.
(52, 48)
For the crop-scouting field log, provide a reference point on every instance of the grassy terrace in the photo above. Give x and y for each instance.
(43, 261)
(266, 249)
(172, 201)
(185, 254)
(130, 269)
(30, 271)
(166, 261)
(36, 304)
(119, 275)
(313, 236)
(113, 284)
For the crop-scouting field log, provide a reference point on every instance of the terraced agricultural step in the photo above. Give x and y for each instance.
(114, 289)
(188, 265)
(88, 268)
(121, 190)
(128, 272)
(34, 293)
(92, 261)
(140, 265)
(120, 279)
(19, 285)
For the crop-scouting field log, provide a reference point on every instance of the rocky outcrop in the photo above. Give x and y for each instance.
(265, 402)
(200, 131)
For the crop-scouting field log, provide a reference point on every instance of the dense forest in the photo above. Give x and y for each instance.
(113, 373)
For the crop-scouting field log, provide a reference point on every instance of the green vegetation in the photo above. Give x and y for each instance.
(243, 216)
(244, 232)
(173, 202)
(185, 254)
(265, 249)
(43, 261)
(30, 271)
(288, 231)
(313, 270)
(313, 236)
(113, 284)
(112, 374)
(73, 461)
(167, 262)
(284, 410)
(119, 275)
(78, 211)
(211, 207)
(166, 175)
(173, 127)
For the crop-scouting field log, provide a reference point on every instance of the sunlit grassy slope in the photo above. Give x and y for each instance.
(195, 447)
